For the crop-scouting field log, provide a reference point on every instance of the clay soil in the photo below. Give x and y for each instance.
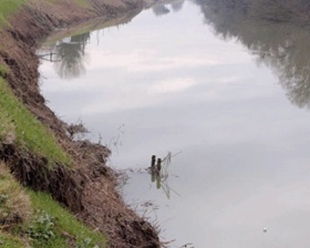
(88, 189)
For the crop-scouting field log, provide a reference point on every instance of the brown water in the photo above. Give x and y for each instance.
(221, 89)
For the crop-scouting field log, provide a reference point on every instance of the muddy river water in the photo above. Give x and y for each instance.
(221, 96)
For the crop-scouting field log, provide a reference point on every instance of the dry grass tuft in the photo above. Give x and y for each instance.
(15, 206)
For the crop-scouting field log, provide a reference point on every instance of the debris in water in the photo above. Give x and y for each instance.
(159, 172)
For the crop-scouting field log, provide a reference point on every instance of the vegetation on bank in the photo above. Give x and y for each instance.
(28, 218)
(7, 8)
(19, 126)
(33, 219)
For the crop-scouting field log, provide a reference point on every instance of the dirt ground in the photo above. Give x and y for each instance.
(89, 189)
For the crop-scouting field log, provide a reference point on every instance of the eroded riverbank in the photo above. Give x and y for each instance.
(85, 185)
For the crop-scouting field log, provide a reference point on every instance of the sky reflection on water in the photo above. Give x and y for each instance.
(168, 83)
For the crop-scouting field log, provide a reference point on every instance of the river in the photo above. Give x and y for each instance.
(222, 96)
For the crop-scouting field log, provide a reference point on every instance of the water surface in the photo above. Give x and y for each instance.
(226, 93)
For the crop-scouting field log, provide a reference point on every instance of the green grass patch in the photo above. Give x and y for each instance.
(10, 7)
(19, 125)
(82, 3)
(54, 226)
(42, 221)
(3, 70)
(9, 241)
(7, 8)
(14, 203)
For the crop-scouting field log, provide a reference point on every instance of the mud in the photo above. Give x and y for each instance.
(88, 188)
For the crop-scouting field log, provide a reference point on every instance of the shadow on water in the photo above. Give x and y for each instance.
(65, 48)
(69, 54)
(163, 7)
(275, 32)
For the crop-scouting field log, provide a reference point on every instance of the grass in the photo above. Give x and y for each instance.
(82, 3)
(7, 8)
(44, 222)
(9, 241)
(41, 222)
(64, 222)
(18, 125)
(10, 7)
(14, 203)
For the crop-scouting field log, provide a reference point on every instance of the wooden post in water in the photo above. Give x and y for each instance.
(158, 166)
(153, 169)
(153, 162)
(158, 180)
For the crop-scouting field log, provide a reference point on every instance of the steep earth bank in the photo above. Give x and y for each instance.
(88, 186)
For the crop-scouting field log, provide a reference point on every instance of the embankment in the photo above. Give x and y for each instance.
(85, 185)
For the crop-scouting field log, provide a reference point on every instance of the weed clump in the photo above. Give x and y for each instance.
(53, 226)
(41, 229)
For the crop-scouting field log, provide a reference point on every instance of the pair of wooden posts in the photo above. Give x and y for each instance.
(155, 170)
